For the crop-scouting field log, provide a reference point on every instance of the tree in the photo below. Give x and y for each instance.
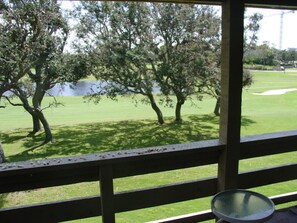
(262, 54)
(16, 48)
(2, 156)
(287, 57)
(251, 31)
(211, 83)
(177, 48)
(212, 86)
(121, 49)
(34, 34)
(61, 68)
(45, 31)
(188, 35)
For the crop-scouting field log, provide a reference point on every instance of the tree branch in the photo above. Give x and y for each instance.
(52, 104)
(10, 102)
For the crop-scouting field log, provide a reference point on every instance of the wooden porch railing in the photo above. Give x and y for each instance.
(105, 167)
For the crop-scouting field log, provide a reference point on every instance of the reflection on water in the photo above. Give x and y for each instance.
(80, 88)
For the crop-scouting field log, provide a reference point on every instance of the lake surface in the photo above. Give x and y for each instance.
(80, 88)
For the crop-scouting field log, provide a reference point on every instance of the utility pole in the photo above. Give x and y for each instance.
(281, 30)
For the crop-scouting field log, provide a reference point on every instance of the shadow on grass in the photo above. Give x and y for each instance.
(2, 200)
(114, 136)
(246, 121)
(13, 138)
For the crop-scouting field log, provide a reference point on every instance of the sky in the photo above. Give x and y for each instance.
(270, 26)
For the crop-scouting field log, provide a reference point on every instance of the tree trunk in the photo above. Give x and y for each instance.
(2, 156)
(36, 124)
(179, 104)
(46, 126)
(35, 120)
(37, 100)
(217, 107)
(156, 109)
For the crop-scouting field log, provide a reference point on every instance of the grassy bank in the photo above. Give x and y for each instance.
(81, 128)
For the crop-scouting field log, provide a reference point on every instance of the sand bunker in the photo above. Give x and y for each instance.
(276, 92)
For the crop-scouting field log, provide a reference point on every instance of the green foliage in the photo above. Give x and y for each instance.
(189, 39)
(68, 67)
(139, 45)
(287, 57)
(263, 54)
(122, 58)
(16, 46)
(251, 30)
(34, 35)
(257, 67)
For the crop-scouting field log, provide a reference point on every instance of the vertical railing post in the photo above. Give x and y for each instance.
(231, 89)
(107, 194)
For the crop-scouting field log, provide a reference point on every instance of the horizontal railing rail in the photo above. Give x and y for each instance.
(61, 171)
(105, 167)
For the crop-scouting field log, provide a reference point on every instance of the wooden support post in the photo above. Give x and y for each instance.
(106, 190)
(230, 118)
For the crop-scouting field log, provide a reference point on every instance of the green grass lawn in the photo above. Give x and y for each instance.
(81, 128)
(270, 113)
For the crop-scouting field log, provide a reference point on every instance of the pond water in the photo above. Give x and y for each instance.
(80, 88)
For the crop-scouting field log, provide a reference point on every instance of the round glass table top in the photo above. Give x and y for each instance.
(239, 206)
